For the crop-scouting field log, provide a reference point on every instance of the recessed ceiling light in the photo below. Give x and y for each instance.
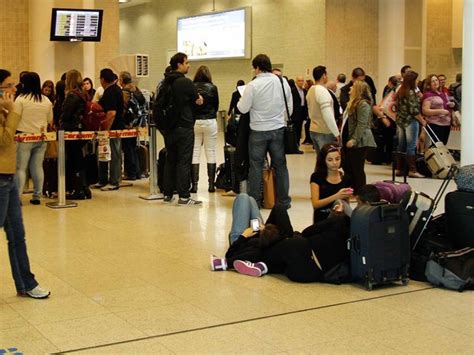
(124, 1)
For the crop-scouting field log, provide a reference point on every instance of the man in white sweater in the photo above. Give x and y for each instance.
(323, 128)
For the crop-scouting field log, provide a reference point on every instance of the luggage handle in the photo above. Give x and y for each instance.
(354, 243)
(389, 211)
(431, 134)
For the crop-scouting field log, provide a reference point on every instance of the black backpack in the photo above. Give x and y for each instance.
(136, 114)
(165, 109)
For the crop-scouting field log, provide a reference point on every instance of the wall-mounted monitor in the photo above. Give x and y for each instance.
(76, 25)
(216, 35)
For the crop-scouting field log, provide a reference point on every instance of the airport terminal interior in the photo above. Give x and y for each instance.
(130, 276)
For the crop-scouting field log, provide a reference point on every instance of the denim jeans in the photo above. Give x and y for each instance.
(115, 165)
(407, 137)
(30, 156)
(243, 210)
(11, 219)
(130, 158)
(261, 142)
(320, 139)
(179, 154)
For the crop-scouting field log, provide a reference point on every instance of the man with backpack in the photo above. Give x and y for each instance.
(173, 115)
(134, 116)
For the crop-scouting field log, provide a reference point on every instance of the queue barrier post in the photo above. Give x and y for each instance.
(61, 202)
(154, 193)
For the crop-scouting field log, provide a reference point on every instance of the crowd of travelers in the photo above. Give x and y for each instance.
(342, 121)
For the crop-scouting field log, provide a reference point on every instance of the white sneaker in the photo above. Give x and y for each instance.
(38, 293)
(109, 187)
(188, 202)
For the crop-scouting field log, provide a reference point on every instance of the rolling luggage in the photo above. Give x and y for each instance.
(143, 159)
(379, 244)
(50, 183)
(465, 178)
(420, 208)
(161, 169)
(230, 168)
(437, 156)
(459, 211)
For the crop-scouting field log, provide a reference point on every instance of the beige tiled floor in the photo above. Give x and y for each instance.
(131, 276)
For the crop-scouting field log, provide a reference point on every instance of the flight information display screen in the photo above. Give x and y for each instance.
(76, 25)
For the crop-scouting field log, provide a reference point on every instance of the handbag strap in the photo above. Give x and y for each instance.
(286, 103)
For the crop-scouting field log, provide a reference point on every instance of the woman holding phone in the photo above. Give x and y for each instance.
(10, 207)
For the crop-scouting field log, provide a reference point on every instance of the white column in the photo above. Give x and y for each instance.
(41, 49)
(467, 129)
(391, 40)
(89, 49)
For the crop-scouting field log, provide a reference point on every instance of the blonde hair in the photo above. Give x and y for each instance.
(360, 91)
(73, 81)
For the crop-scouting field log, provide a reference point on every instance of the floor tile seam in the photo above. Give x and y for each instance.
(185, 331)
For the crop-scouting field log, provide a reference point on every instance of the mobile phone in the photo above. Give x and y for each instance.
(255, 224)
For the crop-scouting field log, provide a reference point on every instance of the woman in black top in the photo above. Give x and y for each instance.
(328, 183)
(235, 99)
(205, 128)
(71, 115)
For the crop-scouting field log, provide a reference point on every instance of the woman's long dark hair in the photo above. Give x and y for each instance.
(203, 75)
(409, 83)
(321, 167)
(32, 86)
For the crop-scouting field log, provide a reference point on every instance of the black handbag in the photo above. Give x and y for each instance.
(291, 139)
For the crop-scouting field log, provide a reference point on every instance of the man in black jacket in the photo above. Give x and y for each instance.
(179, 141)
(300, 107)
(357, 74)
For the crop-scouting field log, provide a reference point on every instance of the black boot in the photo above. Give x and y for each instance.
(85, 186)
(78, 193)
(211, 173)
(194, 177)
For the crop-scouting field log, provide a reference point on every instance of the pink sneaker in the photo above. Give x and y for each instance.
(218, 264)
(251, 269)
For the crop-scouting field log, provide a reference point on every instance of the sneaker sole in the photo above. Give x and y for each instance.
(243, 268)
(38, 297)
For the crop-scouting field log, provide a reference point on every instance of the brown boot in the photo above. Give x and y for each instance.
(412, 172)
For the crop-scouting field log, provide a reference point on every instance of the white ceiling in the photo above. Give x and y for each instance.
(134, 3)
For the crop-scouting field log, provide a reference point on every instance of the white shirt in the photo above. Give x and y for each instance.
(34, 115)
(263, 97)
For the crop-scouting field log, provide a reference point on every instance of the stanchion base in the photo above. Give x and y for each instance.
(151, 197)
(56, 204)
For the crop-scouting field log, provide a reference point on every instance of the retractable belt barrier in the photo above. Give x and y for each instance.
(61, 136)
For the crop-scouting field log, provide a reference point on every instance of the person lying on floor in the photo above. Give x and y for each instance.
(304, 258)
(247, 243)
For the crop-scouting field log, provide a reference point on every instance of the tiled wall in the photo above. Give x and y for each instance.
(352, 36)
(14, 36)
(440, 56)
(292, 33)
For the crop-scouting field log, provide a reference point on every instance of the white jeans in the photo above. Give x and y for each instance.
(205, 133)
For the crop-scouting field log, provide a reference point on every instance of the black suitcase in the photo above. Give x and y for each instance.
(50, 183)
(161, 169)
(230, 168)
(459, 210)
(379, 244)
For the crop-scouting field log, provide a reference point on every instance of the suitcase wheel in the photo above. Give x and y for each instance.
(368, 285)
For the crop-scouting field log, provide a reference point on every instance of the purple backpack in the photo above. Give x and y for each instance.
(391, 191)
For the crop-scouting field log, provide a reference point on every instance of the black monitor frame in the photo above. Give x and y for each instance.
(54, 37)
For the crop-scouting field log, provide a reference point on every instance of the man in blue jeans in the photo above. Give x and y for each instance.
(10, 207)
(263, 98)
